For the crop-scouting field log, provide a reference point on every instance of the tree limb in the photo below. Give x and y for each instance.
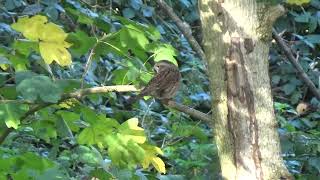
(98, 90)
(184, 28)
(303, 76)
(190, 111)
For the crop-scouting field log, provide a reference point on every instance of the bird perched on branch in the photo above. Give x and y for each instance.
(163, 85)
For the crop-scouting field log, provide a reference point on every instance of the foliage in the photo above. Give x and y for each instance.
(299, 132)
(50, 48)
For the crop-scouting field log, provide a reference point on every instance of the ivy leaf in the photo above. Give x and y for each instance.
(288, 88)
(51, 38)
(128, 13)
(39, 87)
(11, 114)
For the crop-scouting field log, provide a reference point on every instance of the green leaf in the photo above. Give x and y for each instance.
(70, 118)
(45, 128)
(288, 88)
(163, 52)
(120, 76)
(19, 62)
(39, 87)
(25, 47)
(81, 42)
(11, 114)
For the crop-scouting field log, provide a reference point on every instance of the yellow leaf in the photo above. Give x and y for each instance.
(55, 52)
(53, 33)
(50, 36)
(131, 131)
(159, 165)
(298, 2)
(133, 124)
(30, 27)
(151, 157)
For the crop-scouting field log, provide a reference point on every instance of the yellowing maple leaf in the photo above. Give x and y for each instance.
(51, 38)
(131, 131)
(151, 157)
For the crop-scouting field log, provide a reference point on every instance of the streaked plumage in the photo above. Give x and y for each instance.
(164, 84)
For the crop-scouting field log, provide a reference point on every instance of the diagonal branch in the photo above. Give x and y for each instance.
(184, 28)
(287, 51)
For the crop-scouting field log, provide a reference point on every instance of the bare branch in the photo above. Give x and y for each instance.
(287, 51)
(192, 112)
(184, 28)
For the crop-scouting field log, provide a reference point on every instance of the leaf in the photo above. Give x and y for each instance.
(51, 38)
(151, 157)
(11, 114)
(147, 11)
(163, 52)
(25, 47)
(128, 13)
(82, 43)
(45, 128)
(70, 118)
(131, 131)
(288, 88)
(39, 87)
(136, 4)
(298, 2)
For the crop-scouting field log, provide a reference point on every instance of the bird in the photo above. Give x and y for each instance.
(164, 84)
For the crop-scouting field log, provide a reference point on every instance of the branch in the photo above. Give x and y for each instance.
(303, 76)
(184, 28)
(192, 112)
(104, 89)
(77, 94)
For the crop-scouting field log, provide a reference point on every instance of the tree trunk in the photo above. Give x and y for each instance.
(236, 43)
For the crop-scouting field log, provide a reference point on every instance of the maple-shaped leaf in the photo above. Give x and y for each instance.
(151, 153)
(51, 38)
(131, 131)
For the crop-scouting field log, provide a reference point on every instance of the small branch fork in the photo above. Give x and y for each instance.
(294, 61)
(98, 90)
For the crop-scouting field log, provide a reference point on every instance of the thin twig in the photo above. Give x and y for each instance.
(294, 61)
(87, 66)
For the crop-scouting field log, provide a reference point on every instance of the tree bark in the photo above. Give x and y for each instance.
(237, 35)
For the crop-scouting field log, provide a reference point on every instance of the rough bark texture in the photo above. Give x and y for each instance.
(236, 45)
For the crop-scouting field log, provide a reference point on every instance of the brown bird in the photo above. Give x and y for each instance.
(164, 84)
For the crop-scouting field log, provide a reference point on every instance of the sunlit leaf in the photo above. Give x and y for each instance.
(51, 38)
(151, 157)
(11, 114)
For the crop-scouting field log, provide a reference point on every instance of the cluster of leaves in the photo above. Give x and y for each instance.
(107, 44)
(299, 129)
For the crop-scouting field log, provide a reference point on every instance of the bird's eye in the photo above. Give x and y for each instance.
(156, 68)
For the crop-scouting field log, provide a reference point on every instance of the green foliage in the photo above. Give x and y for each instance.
(11, 114)
(68, 45)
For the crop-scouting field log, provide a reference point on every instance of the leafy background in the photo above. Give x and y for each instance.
(116, 42)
